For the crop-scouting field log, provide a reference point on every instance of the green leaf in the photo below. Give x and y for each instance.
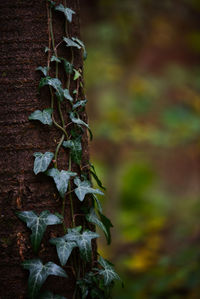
(52, 3)
(56, 59)
(93, 218)
(78, 104)
(43, 116)
(107, 272)
(107, 223)
(83, 241)
(61, 179)
(63, 248)
(55, 83)
(76, 120)
(82, 45)
(83, 188)
(49, 295)
(75, 149)
(67, 66)
(42, 161)
(44, 70)
(70, 43)
(76, 75)
(67, 12)
(46, 49)
(98, 204)
(38, 273)
(67, 95)
(38, 224)
(94, 174)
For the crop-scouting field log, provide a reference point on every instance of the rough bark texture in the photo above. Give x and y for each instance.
(24, 35)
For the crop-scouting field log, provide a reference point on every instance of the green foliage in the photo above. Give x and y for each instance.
(76, 74)
(64, 248)
(42, 161)
(44, 70)
(79, 104)
(82, 240)
(43, 116)
(107, 272)
(70, 43)
(67, 66)
(38, 224)
(61, 179)
(56, 59)
(95, 176)
(55, 83)
(39, 273)
(93, 218)
(83, 188)
(67, 12)
(49, 295)
(76, 120)
(67, 95)
(75, 149)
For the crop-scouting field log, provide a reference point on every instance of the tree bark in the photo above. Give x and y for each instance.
(24, 35)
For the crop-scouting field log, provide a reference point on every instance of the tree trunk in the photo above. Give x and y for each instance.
(24, 28)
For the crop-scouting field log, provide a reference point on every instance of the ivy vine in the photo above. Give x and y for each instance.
(98, 281)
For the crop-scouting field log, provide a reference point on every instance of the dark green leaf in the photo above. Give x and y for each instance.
(94, 174)
(43, 116)
(61, 179)
(75, 149)
(67, 12)
(107, 223)
(77, 40)
(67, 95)
(79, 122)
(38, 224)
(78, 104)
(70, 43)
(98, 204)
(93, 218)
(42, 161)
(56, 59)
(107, 272)
(67, 66)
(44, 70)
(83, 188)
(49, 295)
(38, 273)
(52, 3)
(83, 241)
(63, 248)
(55, 83)
(46, 49)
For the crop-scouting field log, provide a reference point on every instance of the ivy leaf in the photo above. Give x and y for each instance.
(76, 75)
(56, 59)
(75, 149)
(67, 95)
(93, 218)
(67, 12)
(107, 223)
(46, 49)
(83, 188)
(83, 241)
(79, 122)
(107, 272)
(38, 273)
(82, 45)
(78, 104)
(70, 43)
(67, 66)
(49, 295)
(42, 161)
(52, 3)
(61, 179)
(98, 204)
(55, 83)
(63, 248)
(38, 224)
(94, 174)
(43, 116)
(44, 70)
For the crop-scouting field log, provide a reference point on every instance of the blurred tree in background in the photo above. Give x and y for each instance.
(143, 86)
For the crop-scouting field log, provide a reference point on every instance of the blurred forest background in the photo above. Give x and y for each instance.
(143, 87)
